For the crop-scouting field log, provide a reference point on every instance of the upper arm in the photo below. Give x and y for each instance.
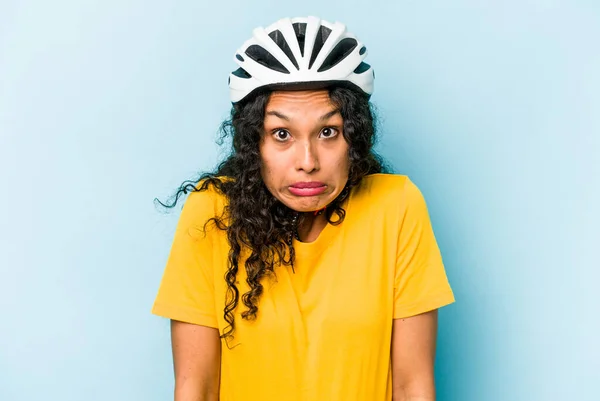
(413, 356)
(196, 361)
(187, 296)
(420, 288)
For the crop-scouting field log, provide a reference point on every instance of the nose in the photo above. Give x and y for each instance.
(307, 159)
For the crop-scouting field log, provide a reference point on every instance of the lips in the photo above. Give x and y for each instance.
(311, 184)
(307, 188)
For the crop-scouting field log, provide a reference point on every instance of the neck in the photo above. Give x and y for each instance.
(310, 226)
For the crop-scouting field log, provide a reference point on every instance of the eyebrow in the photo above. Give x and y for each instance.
(282, 116)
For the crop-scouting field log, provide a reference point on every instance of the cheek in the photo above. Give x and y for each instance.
(268, 169)
(343, 161)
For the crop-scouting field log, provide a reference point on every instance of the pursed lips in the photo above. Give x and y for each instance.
(312, 188)
(308, 184)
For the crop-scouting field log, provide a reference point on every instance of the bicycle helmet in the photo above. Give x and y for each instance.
(300, 53)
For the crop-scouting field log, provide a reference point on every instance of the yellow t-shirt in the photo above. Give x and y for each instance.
(323, 332)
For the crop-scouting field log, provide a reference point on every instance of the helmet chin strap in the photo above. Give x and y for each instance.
(320, 211)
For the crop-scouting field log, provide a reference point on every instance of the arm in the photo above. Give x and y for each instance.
(413, 355)
(196, 361)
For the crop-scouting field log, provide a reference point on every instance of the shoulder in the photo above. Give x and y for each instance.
(383, 183)
(385, 191)
(203, 204)
(386, 185)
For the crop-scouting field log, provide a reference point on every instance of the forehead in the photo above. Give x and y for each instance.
(300, 101)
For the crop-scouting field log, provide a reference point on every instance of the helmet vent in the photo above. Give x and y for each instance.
(240, 72)
(362, 67)
(300, 29)
(339, 52)
(262, 56)
(322, 35)
(278, 38)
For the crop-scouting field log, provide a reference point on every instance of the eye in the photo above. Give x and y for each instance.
(329, 132)
(281, 135)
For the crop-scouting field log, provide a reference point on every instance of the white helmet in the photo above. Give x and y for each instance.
(303, 53)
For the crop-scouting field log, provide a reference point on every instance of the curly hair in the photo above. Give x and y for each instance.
(253, 217)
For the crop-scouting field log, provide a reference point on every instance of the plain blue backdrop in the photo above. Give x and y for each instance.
(491, 107)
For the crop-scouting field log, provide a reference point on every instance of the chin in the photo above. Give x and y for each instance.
(309, 203)
(302, 209)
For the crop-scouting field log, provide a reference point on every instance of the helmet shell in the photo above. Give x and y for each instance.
(300, 53)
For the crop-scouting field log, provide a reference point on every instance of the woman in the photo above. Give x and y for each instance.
(299, 269)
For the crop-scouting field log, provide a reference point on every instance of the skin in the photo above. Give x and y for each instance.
(303, 141)
(413, 355)
(196, 361)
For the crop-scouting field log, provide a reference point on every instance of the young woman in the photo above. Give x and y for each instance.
(300, 269)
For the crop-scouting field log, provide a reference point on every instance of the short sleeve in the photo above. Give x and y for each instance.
(420, 283)
(186, 291)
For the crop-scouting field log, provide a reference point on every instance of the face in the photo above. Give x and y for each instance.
(304, 154)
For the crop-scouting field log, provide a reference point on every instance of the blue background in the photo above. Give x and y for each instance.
(492, 108)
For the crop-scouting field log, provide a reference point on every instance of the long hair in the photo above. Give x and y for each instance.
(253, 218)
